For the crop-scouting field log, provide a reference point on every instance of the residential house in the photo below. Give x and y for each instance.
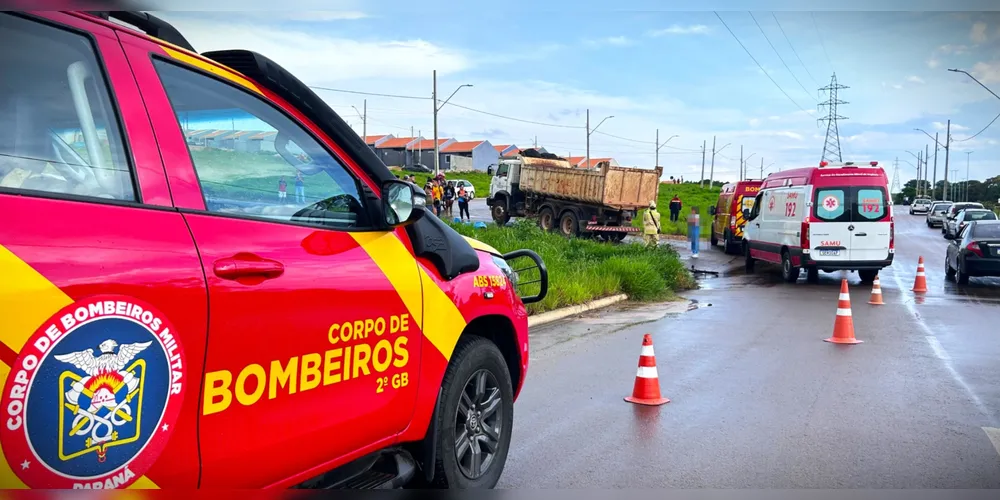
(506, 149)
(197, 137)
(469, 155)
(373, 141)
(261, 142)
(393, 151)
(423, 152)
(594, 162)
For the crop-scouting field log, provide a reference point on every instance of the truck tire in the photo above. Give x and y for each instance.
(546, 219)
(500, 214)
(477, 402)
(569, 225)
(868, 275)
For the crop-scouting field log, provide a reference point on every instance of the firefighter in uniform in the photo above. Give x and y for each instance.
(651, 225)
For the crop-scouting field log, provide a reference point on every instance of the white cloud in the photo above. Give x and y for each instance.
(754, 122)
(933, 63)
(325, 58)
(914, 79)
(953, 49)
(694, 29)
(954, 126)
(617, 41)
(987, 72)
(897, 86)
(978, 33)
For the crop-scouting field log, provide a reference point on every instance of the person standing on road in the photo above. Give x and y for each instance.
(300, 188)
(463, 203)
(694, 228)
(282, 189)
(675, 208)
(651, 225)
(449, 197)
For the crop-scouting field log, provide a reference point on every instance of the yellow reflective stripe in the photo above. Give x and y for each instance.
(7, 477)
(27, 299)
(143, 483)
(212, 68)
(479, 245)
(444, 323)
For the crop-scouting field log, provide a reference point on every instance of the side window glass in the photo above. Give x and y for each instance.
(253, 160)
(58, 129)
(502, 170)
(829, 205)
(755, 211)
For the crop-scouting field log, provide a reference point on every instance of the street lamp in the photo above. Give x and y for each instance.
(968, 154)
(364, 120)
(658, 146)
(591, 131)
(743, 166)
(919, 177)
(947, 154)
(977, 81)
(765, 169)
(437, 153)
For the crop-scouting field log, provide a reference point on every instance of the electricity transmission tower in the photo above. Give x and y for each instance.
(831, 147)
(896, 188)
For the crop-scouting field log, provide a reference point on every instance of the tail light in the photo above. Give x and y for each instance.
(593, 218)
(804, 235)
(892, 234)
(732, 222)
(974, 248)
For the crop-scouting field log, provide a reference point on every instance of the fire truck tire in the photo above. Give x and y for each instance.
(476, 414)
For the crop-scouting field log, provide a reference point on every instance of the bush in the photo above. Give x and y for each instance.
(582, 270)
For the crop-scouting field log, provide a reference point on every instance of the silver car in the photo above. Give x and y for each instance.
(937, 214)
(920, 206)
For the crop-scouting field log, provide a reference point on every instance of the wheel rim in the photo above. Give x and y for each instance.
(479, 422)
(567, 225)
(546, 221)
(786, 266)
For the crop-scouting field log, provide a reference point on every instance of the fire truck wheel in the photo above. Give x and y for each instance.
(475, 418)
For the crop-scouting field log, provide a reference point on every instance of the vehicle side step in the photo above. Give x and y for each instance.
(388, 469)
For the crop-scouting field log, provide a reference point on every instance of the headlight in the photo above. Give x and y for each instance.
(507, 270)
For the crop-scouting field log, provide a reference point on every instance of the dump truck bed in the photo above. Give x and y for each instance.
(619, 187)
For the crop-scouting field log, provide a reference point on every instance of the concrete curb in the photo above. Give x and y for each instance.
(565, 312)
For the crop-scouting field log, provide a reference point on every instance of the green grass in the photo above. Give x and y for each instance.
(691, 196)
(582, 270)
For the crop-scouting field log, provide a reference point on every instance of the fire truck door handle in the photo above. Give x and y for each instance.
(245, 265)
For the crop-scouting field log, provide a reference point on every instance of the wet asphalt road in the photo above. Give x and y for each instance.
(759, 400)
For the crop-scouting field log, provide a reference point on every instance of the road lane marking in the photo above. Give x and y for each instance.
(994, 434)
(939, 350)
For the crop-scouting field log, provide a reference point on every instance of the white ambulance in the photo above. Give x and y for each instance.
(833, 217)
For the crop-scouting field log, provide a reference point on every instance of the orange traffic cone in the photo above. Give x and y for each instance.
(843, 327)
(647, 383)
(876, 293)
(920, 283)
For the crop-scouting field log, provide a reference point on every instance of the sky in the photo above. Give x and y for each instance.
(749, 79)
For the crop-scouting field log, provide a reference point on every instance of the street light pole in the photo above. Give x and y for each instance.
(947, 147)
(437, 152)
(968, 154)
(937, 147)
(977, 81)
(658, 145)
(744, 167)
(711, 173)
(926, 149)
(591, 131)
(947, 153)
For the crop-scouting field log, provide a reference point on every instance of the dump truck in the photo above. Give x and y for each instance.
(597, 202)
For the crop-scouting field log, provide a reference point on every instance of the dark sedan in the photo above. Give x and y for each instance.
(975, 252)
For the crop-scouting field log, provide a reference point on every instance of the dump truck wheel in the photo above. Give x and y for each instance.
(500, 215)
(569, 225)
(546, 219)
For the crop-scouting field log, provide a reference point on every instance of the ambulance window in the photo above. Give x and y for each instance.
(253, 160)
(869, 204)
(829, 205)
(59, 132)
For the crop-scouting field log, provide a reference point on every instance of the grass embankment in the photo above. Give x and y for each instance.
(691, 196)
(582, 270)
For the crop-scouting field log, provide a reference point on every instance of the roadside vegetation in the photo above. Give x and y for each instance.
(691, 196)
(582, 270)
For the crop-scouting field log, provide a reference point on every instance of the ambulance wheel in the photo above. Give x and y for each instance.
(749, 260)
(812, 275)
(789, 272)
(867, 275)
(475, 417)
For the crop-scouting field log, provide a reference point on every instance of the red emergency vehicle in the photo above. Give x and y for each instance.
(169, 318)
(729, 213)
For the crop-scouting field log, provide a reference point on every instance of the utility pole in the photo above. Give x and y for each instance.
(954, 185)
(741, 162)
(926, 149)
(937, 146)
(968, 154)
(947, 154)
(761, 167)
(919, 187)
(364, 120)
(434, 102)
(587, 164)
(711, 170)
(701, 183)
(658, 146)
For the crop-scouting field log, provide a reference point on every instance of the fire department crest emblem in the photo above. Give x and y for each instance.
(93, 396)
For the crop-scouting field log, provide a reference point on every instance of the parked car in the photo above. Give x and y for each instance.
(963, 218)
(920, 206)
(469, 188)
(831, 217)
(975, 253)
(953, 212)
(182, 316)
(938, 212)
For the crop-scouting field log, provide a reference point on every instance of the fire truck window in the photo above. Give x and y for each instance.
(252, 160)
(58, 128)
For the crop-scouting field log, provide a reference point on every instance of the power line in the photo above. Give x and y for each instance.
(980, 132)
(758, 64)
(793, 48)
(822, 44)
(358, 92)
(778, 54)
(557, 125)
